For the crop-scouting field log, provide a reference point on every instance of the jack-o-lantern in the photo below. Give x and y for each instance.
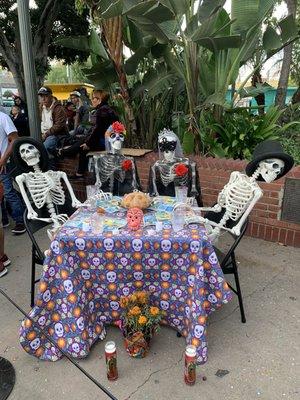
(134, 218)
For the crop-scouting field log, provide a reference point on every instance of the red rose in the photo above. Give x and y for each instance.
(181, 169)
(127, 165)
(118, 127)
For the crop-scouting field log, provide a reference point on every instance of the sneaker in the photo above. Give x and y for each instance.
(3, 270)
(5, 260)
(19, 229)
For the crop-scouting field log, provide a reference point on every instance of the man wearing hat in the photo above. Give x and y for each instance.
(53, 116)
(82, 111)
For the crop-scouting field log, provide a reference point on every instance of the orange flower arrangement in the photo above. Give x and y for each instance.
(139, 321)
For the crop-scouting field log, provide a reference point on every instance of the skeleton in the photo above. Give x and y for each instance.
(45, 188)
(239, 196)
(170, 156)
(108, 167)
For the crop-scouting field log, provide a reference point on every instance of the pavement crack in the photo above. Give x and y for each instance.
(153, 373)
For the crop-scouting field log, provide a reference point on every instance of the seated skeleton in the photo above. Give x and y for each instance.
(44, 187)
(241, 193)
(114, 172)
(173, 173)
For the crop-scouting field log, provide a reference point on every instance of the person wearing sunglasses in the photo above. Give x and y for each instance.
(104, 117)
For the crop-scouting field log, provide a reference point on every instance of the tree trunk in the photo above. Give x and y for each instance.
(296, 96)
(286, 63)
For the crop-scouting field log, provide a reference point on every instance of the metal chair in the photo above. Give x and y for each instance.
(227, 259)
(32, 228)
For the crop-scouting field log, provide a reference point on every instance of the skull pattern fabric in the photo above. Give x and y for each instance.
(77, 299)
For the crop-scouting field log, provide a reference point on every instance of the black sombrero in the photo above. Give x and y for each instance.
(7, 378)
(20, 164)
(269, 149)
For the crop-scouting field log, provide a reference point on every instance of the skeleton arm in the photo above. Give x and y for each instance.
(75, 202)
(153, 173)
(31, 213)
(236, 230)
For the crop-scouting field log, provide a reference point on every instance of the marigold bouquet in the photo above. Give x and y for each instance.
(140, 321)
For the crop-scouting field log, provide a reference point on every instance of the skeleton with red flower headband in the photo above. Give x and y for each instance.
(172, 170)
(114, 172)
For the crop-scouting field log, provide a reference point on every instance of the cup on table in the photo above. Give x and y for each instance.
(178, 220)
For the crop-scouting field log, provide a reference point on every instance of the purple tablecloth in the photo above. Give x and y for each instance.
(85, 274)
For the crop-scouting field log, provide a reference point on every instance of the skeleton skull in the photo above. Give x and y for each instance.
(180, 261)
(212, 279)
(178, 292)
(125, 291)
(51, 271)
(80, 323)
(167, 145)
(64, 308)
(213, 258)
(191, 280)
(124, 261)
(30, 154)
(55, 246)
(42, 320)
(100, 291)
(151, 262)
(270, 169)
(212, 298)
(116, 140)
(96, 261)
(47, 295)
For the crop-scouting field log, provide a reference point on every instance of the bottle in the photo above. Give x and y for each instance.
(111, 361)
(190, 365)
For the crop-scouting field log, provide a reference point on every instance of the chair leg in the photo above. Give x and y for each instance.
(238, 288)
(32, 277)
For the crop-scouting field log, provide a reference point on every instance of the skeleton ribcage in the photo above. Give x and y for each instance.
(167, 174)
(236, 196)
(42, 184)
(108, 165)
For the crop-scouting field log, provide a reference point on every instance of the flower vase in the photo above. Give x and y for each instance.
(137, 345)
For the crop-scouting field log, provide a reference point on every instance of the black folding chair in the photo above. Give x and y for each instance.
(32, 228)
(227, 259)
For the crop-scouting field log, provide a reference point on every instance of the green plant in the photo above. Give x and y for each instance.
(241, 131)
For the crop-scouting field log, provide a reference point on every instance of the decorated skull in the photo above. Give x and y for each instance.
(91, 306)
(191, 280)
(125, 291)
(108, 244)
(179, 261)
(100, 291)
(137, 244)
(164, 304)
(213, 258)
(198, 331)
(212, 279)
(55, 246)
(124, 261)
(134, 218)
(165, 275)
(138, 275)
(59, 329)
(85, 274)
(212, 298)
(30, 154)
(166, 245)
(111, 276)
(115, 136)
(47, 295)
(96, 261)
(42, 320)
(51, 271)
(151, 262)
(68, 285)
(35, 344)
(178, 292)
(270, 169)
(195, 246)
(114, 305)
(80, 243)
(71, 261)
(64, 308)
(168, 143)
(75, 348)
(80, 323)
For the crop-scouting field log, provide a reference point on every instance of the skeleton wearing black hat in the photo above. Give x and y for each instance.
(241, 193)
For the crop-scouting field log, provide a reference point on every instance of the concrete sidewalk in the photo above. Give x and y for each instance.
(262, 357)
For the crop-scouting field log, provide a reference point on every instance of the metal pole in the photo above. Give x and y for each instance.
(29, 69)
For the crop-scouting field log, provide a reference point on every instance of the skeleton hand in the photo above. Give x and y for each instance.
(59, 219)
(236, 230)
(76, 203)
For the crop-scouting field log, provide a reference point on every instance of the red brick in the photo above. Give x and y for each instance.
(275, 235)
(261, 231)
(297, 239)
(268, 233)
(254, 229)
(269, 200)
(272, 216)
(290, 238)
(282, 236)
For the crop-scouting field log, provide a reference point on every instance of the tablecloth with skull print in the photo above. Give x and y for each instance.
(85, 274)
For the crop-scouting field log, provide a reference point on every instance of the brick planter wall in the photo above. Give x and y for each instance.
(214, 173)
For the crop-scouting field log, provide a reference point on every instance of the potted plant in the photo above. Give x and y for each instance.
(139, 322)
